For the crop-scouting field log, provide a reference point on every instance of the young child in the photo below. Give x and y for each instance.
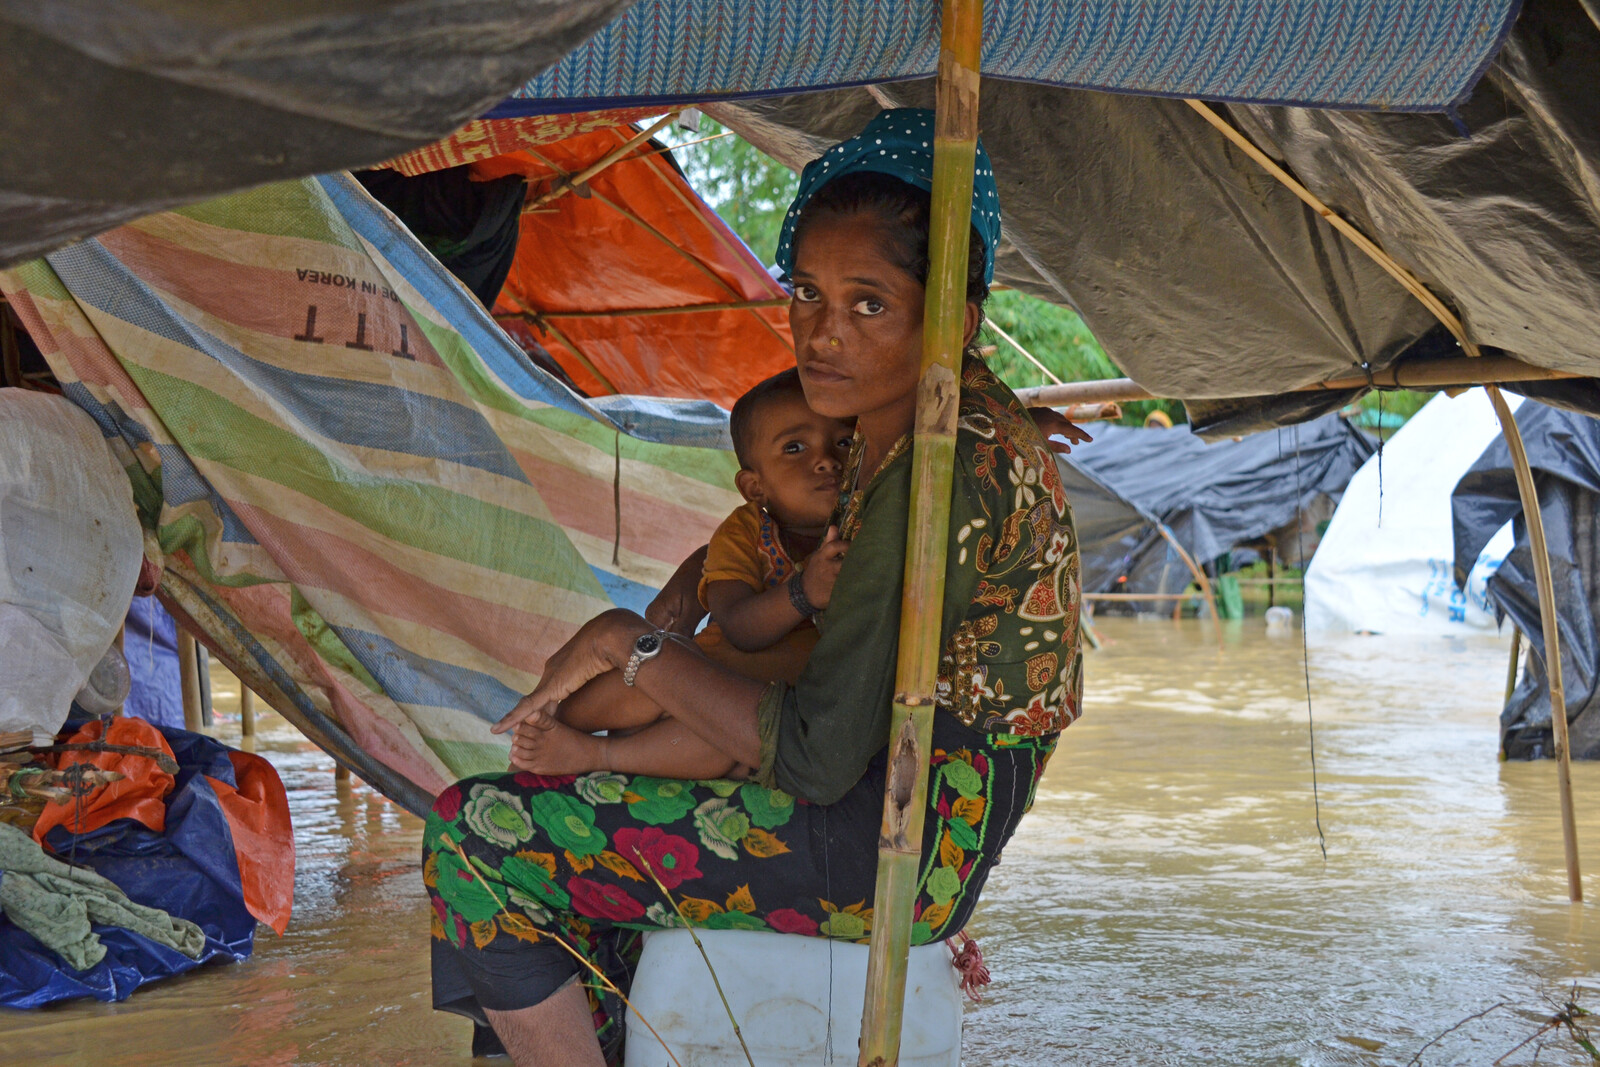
(774, 555)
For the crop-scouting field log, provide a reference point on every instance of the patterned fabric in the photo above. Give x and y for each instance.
(486, 138)
(897, 142)
(1017, 668)
(366, 498)
(512, 861)
(1394, 55)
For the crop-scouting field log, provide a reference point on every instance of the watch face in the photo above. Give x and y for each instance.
(648, 644)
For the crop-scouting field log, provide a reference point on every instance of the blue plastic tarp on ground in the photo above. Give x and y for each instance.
(189, 871)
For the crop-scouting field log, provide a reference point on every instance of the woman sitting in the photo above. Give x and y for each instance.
(526, 869)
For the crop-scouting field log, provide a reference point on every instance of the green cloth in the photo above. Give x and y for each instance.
(57, 903)
(1012, 661)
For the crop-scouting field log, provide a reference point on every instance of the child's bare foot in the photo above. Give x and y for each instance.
(558, 750)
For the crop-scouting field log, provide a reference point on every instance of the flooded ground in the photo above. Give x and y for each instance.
(1165, 902)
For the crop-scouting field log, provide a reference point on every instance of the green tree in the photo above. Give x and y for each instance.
(749, 189)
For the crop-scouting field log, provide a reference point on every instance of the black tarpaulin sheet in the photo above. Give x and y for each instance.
(1204, 278)
(1564, 454)
(1216, 497)
(116, 110)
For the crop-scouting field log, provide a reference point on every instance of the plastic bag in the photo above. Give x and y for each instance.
(70, 548)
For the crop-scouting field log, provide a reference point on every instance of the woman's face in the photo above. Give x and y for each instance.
(856, 317)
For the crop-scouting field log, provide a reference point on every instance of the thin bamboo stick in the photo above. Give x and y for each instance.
(1361, 240)
(247, 719)
(1199, 577)
(1448, 373)
(1135, 596)
(927, 537)
(189, 677)
(1511, 667)
(538, 319)
(566, 185)
(1552, 635)
(1029, 356)
(681, 309)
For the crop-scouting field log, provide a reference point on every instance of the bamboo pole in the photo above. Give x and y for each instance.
(1200, 579)
(1360, 240)
(247, 718)
(679, 309)
(189, 676)
(1552, 635)
(1131, 597)
(1448, 373)
(927, 533)
(571, 182)
(1511, 667)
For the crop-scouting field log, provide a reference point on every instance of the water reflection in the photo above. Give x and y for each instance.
(1166, 902)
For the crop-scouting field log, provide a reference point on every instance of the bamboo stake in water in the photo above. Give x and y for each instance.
(927, 534)
(1552, 634)
(644, 865)
(455, 846)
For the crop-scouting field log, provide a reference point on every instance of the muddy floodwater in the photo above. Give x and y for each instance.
(1166, 901)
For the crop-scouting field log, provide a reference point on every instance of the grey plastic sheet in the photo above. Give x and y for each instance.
(1214, 498)
(117, 110)
(1564, 454)
(1207, 280)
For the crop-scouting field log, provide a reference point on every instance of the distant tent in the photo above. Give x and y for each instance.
(1214, 498)
(1564, 452)
(1385, 562)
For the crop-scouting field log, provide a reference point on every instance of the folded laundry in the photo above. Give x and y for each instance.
(56, 903)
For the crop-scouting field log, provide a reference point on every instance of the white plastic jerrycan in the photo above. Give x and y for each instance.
(784, 989)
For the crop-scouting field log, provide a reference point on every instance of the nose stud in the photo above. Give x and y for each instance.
(833, 342)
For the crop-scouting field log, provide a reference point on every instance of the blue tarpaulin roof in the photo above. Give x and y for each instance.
(1397, 55)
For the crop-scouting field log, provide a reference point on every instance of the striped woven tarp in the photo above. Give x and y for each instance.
(1401, 55)
(367, 500)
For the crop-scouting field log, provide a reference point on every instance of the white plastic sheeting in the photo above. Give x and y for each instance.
(1391, 571)
(70, 547)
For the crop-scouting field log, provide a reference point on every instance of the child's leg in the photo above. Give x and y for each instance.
(608, 703)
(665, 749)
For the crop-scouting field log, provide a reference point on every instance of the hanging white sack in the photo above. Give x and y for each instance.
(70, 548)
(1391, 572)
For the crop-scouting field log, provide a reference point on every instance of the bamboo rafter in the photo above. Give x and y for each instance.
(616, 155)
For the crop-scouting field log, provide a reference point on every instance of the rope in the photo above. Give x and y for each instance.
(1305, 655)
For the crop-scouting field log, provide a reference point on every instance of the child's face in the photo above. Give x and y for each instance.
(795, 457)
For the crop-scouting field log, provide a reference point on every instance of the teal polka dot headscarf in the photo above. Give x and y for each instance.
(897, 143)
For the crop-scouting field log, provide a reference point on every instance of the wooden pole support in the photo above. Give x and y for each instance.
(247, 718)
(1200, 579)
(1511, 667)
(189, 676)
(1552, 635)
(905, 797)
(566, 185)
(1447, 373)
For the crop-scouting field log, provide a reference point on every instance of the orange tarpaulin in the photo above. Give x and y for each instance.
(636, 236)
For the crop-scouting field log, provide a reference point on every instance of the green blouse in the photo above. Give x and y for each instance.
(1012, 661)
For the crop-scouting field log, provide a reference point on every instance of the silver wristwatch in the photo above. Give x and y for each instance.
(648, 646)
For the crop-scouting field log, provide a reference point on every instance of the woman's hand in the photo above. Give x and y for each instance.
(822, 568)
(1053, 424)
(601, 644)
(676, 608)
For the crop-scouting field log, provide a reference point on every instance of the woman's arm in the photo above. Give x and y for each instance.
(677, 607)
